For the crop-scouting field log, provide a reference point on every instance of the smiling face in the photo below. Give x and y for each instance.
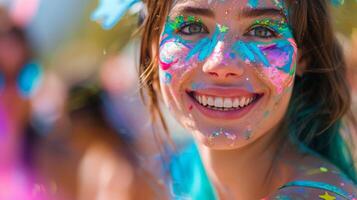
(227, 68)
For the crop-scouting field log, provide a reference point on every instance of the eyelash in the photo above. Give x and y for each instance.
(272, 32)
(203, 29)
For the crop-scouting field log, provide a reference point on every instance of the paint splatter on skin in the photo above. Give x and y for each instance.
(269, 49)
(168, 78)
(248, 133)
(253, 3)
(275, 56)
(230, 136)
(327, 196)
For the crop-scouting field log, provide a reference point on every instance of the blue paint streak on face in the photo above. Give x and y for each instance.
(253, 3)
(247, 51)
(198, 48)
(258, 53)
(251, 52)
(168, 78)
(285, 46)
(243, 51)
(205, 47)
(169, 34)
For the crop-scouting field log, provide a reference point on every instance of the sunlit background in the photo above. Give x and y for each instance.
(90, 132)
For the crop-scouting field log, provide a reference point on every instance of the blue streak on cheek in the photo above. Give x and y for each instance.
(250, 51)
(205, 47)
(169, 33)
(243, 51)
(198, 48)
(167, 78)
(285, 46)
(257, 52)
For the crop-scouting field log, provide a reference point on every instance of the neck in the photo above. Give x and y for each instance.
(246, 173)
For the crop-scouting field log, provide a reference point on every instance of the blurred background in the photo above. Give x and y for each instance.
(72, 125)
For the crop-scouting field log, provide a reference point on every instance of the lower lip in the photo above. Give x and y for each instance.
(230, 114)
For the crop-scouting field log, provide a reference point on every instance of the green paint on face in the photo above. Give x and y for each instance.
(179, 21)
(223, 28)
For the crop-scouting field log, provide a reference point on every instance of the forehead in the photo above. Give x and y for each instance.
(237, 6)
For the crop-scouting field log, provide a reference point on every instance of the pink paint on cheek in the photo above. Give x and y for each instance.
(282, 61)
(172, 54)
(166, 66)
(277, 78)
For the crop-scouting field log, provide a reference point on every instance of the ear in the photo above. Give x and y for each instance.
(301, 64)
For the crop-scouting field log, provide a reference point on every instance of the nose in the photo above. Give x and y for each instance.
(222, 65)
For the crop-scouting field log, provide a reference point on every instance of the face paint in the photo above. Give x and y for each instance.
(263, 49)
(253, 3)
(172, 42)
(275, 56)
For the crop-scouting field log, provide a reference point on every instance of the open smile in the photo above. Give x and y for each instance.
(224, 103)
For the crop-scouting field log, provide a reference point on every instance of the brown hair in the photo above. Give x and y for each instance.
(321, 97)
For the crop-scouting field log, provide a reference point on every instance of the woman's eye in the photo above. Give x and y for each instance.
(192, 28)
(262, 32)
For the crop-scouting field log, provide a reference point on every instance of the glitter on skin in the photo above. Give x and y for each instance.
(221, 132)
(249, 52)
(271, 58)
(248, 134)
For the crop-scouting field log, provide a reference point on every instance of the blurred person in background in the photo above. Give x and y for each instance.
(97, 154)
(19, 77)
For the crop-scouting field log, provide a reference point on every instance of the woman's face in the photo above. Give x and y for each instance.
(227, 68)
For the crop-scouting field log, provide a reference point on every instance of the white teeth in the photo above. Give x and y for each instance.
(218, 102)
(204, 100)
(249, 101)
(242, 102)
(221, 103)
(210, 101)
(228, 103)
(236, 103)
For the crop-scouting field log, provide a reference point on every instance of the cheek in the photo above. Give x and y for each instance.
(282, 64)
(172, 61)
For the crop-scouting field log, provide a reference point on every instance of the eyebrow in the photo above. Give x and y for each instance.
(257, 12)
(198, 11)
(246, 12)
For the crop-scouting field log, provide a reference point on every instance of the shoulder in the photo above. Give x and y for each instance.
(325, 182)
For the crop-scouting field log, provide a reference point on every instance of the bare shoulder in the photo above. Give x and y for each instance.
(317, 179)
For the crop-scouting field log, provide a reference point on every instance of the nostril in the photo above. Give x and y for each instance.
(230, 74)
(213, 73)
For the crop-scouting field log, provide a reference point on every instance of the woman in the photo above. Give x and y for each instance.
(261, 87)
